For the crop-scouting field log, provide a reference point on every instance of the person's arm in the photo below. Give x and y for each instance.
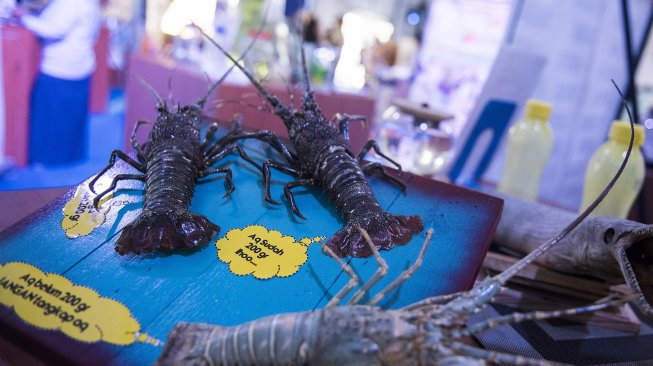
(56, 19)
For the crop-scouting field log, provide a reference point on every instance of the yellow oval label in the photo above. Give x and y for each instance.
(51, 301)
(80, 217)
(262, 253)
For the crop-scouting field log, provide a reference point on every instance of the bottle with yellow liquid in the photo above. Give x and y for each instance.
(604, 164)
(530, 141)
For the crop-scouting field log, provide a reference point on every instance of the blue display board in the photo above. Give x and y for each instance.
(161, 289)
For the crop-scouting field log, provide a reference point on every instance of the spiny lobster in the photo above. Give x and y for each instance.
(170, 163)
(322, 157)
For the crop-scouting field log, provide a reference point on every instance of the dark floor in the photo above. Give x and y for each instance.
(106, 131)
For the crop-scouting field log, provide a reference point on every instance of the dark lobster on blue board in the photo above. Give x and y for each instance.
(170, 163)
(322, 157)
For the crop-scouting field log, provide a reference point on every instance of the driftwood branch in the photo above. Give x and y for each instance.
(607, 248)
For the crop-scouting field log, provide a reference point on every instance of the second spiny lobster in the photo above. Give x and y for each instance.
(322, 157)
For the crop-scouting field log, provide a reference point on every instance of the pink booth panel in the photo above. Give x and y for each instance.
(20, 63)
(100, 78)
(20, 58)
(185, 85)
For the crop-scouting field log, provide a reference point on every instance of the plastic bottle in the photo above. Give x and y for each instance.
(530, 141)
(604, 164)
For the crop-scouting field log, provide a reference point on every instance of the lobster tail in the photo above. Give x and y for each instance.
(165, 232)
(385, 230)
(251, 343)
(347, 187)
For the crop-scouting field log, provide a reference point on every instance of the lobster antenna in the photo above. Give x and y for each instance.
(309, 102)
(503, 277)
(273, 100)
(169, 97)
(143, 82)
(309, 96)
(515, 318)
(302, 52)
(226, 73)
(149, 88)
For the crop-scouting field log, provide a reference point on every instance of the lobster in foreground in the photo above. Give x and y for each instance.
(170, 163)
(423, 333)
(322, 157)
(429, 332)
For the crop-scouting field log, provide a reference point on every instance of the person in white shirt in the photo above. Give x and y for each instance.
(60, 97)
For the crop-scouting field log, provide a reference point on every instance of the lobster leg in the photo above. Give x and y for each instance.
(210, 160)
(406, 274)
(113, 185)
(378, 275)
(137, 147)
(353, 278)
(430, 301)
(227, 171)
(368, 168)
(216, 147)
(540, 315)
(273, 140)
(212, 148)
(210, 133)
(286, 190)
(266, 177)
(371, 144)
(343, 123)
(112, 161)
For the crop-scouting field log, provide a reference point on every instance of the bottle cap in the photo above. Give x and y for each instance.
(536, 109)
(620, 131)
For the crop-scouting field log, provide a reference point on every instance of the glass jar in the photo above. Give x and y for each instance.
(393, 132)
(415, 142)
(432, 146)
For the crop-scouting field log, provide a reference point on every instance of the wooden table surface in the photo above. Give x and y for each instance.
(18, 204)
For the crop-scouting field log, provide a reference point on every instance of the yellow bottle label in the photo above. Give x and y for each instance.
(262, 253)
(51, 301)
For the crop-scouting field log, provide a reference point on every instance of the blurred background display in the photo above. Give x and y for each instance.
(437, 55)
